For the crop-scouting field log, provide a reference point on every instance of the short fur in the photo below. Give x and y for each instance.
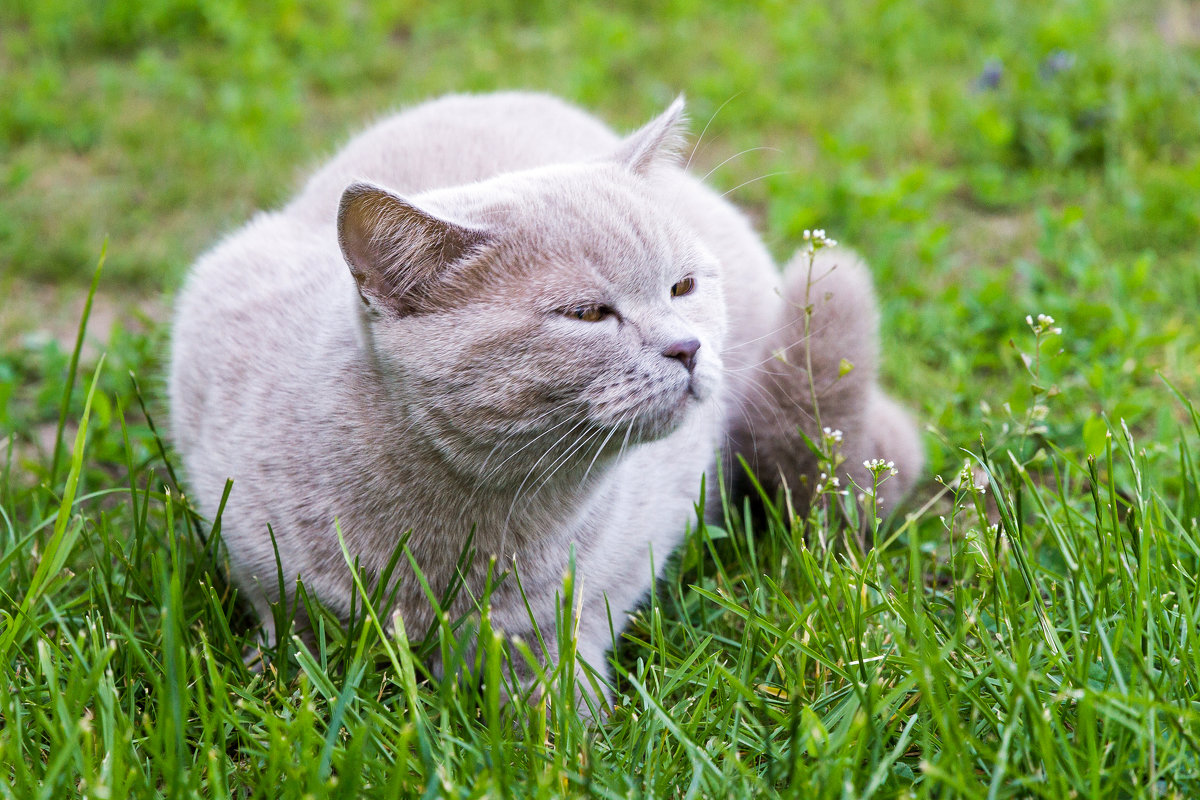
(395, 350)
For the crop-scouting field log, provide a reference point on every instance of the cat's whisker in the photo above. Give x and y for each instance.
(793, 403)
(700, 138)
(782, 326)
(504, 440)
(485, 479)
(750, 392)
(738, 155)
(567, 454)
(576, 446)
(749, 425)
(763, 401)
(774, 354)
(577, 422)
(528, 475)
(759, 178)
(625, 441)
(599, 450)
(788, 321)
(574, 416)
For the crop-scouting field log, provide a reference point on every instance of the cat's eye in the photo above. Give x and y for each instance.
(685, 286)
(592, 313)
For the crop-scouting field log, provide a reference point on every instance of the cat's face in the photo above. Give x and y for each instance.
(584, 319)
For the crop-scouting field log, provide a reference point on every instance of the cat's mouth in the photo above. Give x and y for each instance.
(664, 415)
(646, 411)
(694, 392)
(690, 395)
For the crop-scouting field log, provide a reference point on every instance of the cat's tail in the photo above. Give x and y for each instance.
(815, 379)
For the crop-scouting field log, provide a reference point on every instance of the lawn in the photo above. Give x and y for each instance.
(1024, 179)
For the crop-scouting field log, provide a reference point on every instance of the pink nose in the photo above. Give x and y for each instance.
(685, 351)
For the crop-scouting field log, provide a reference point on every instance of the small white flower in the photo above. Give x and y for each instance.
(1044, 324)
(818, 239)
(877, 466)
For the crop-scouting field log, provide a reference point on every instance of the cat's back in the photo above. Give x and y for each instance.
(250, 319)
(456, 140)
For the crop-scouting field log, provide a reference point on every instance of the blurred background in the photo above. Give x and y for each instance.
(990, 159)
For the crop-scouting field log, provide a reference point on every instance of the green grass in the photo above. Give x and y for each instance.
(1024, 629)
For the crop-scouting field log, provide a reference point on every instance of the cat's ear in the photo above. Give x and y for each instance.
(395, 249)
(658, 141)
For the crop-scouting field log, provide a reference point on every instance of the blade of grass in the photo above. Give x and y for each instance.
(62, 540)
(65, 404)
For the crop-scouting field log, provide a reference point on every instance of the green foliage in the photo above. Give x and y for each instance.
(1027, 628)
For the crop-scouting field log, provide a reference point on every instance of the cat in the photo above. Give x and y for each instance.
(491, 316)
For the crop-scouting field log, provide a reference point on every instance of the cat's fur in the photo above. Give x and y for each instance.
(391, 351)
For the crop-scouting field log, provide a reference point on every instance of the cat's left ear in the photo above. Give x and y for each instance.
(658, 141)
(397, 250)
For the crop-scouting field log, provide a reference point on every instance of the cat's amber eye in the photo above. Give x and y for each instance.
(588, 313)
(685, 286)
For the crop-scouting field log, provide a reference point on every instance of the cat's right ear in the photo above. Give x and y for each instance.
(658, 141)
(395, 249)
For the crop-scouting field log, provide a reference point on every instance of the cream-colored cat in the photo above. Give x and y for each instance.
(490, 313)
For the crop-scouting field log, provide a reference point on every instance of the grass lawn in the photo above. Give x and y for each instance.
(1026, 626)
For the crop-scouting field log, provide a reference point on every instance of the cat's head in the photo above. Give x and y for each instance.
(550, 315)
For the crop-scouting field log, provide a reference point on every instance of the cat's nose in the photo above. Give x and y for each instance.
(685, 351)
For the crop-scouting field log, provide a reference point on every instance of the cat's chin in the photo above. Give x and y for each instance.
(662, 420)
